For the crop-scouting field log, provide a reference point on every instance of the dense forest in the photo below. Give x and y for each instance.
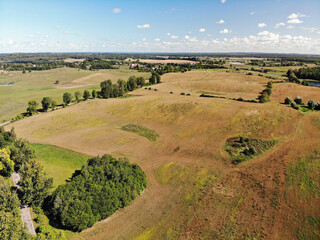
(102, 186)
(308, 73)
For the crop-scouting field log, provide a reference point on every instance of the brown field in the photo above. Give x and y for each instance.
(181, 61)
(73, 60)
(193, 191)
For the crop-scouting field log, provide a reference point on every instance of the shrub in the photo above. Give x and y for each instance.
(268, 91)
(241, 140)
(240, 99)
(249, 73)
(311, 104)
(288, 100)
(182, 93)
(298, 100)
(171, 92)
(269, 85)
(317, 106)
(156, 89)
(294, 105)
(188, 94)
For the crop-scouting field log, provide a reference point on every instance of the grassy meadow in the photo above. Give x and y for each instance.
(194, 191)
(38, 84)
(59, 163)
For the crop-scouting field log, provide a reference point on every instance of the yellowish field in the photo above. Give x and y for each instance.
(193, 191)
(180, 61)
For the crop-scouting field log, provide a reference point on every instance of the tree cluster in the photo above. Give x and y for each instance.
(312, 105)
(308, 73)
(265, 94)
(102, 186)
(114, 90)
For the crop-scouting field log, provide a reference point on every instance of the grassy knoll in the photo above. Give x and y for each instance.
(59, 163)
(142, 131)
(39, 84)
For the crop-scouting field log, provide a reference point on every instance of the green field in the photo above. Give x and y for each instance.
(38, 84)
(58, 162)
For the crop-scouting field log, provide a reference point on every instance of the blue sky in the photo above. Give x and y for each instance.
(285, 26)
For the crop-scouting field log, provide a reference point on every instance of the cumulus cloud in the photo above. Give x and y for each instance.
(279, 25)
(296, 15)
(225, 31)
(169, 34)
(223, 1)
(202, 30)
(174, 37)
(220, 22)
(262, 25)
(116, 10)
(295, 21)
(186, 37)
(294, 18)
(253, 13)
(290, 27)
(157, 40)
(144, 26)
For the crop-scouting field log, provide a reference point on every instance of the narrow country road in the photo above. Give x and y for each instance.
(25, 211)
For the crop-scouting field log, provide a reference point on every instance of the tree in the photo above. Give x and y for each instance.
(20, 153)
(132, 83)
(122, 86)
(298, 100)
(10, 220)
(288, 100)
(67, 98)
(6, 164)
(94, 93)
(106, 89)
(35, 184)
(32, 107)
(311, 104)
(46, 103)
(294, 105)
(86, 95)
(23, 70)
(53, 104)
(140, 81)
(77, 95)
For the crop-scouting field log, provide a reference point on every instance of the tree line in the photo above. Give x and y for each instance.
(308, 73)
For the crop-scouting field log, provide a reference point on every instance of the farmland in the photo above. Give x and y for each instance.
(194, 191)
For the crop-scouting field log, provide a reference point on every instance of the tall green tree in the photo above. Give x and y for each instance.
(6, 164)
(94, 93)
(77, 96)
(106, 89)
(32, 107)
(46, 103)
(67, 98)
(35, 184)
(86, 95)
(140, 81)
(132, 83)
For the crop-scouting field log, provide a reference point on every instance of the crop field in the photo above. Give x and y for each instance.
(162, 61)
(194, 191)
(38, 84)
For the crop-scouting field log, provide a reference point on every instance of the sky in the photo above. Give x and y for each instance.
(212, 26)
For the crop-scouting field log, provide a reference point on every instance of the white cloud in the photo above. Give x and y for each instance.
(220, 22)
(174, 37)
(290, 27)
(58, 27)
(46, 36)
(310, 29)
(193, 39)
(202, 30)
(186, 37)
(116, 10)
(296, 15)
(144, 26)
(295, 21)
(262, 25)
(279, 25)
(253, 13)
(169, 34)
(223, 1)
(156, 39)
(225, 31)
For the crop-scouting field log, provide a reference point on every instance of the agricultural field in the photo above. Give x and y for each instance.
(194, 191)
(38, 84)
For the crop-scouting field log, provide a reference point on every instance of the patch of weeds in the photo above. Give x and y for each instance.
(310, 229)
(142, 131)
(242, 149)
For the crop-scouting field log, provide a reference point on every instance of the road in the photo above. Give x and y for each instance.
(25, 211)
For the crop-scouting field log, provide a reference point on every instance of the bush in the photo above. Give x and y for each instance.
(249, 73)
(241, 140)
(182, 93)
(171, 92)
(294, 105)
(269, 85)
(240, 99)
(311, 104)
(298, 100)
(288, 100)
(188, 94)
(317, 106)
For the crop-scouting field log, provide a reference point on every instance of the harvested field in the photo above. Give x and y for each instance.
(162, 61)
(74, 60)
